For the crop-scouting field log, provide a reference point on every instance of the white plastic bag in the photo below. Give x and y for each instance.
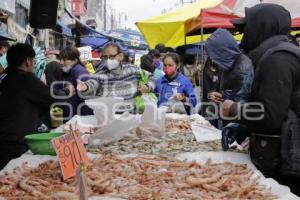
(104, 108)
(115, 131)
(203, 130)
(152, 120)
(173, 105)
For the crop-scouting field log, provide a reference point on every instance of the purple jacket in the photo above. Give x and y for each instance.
(77, 72)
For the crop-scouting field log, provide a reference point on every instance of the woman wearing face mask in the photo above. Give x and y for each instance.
(116, 79)
(174, 87)
(73, 70)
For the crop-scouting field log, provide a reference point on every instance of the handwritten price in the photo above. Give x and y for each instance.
(69, 154)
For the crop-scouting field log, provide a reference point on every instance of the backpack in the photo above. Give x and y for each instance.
(286, 149)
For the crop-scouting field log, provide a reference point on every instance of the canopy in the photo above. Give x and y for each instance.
(171, 28)
(96, 42)
(221, 15)
(130, 38)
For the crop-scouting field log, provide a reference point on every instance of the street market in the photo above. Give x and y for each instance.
(160, 100)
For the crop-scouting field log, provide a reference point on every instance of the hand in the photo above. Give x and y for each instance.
(143, 89)
(180, 97)
(226, 108)
(71, 89)
(81, 86)
(215, 97)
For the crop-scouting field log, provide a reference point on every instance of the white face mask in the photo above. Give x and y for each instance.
(112, 64)
(66, 69)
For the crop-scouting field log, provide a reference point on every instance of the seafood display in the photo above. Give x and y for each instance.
(169, 143)
(178, 126)
(178, 138)
(141, 177)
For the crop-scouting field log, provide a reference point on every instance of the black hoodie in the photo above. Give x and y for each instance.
(264, 21)
(266, 26)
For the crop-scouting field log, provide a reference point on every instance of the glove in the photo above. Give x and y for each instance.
(233, 132)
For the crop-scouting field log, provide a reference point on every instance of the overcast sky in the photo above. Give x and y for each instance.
(137, 10)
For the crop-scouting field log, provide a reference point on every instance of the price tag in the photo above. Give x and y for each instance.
(137, 59)
(85, 53)
(69, 154)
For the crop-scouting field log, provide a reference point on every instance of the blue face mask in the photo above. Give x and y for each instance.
(157, 64)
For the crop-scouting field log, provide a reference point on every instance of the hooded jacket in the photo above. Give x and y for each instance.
(263, 23)
(231, 64)
(222, 49)
(276, 75)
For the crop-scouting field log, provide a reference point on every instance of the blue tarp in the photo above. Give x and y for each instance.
(64, 29)
(130, 38)
(96, 42)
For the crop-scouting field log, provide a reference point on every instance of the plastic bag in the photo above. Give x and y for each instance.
(173, 105)
(104, 108)
(115, 131)
(139, 101)
(152, 120)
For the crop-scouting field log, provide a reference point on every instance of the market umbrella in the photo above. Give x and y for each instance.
(129, 38)
(170, 28)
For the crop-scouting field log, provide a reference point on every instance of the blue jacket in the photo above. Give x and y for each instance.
(222, 48)
(184, 86)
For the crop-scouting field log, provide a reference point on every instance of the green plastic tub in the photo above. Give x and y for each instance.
(41, 143)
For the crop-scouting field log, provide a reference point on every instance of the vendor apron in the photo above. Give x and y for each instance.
(265, 152)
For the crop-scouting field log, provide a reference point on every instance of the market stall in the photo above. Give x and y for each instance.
(149, 156)
(204, 175)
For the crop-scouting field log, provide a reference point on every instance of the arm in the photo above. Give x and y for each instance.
(92, 87)
(276, 81)
(37, 92)
(243, 95)
(190, 93)
(147, 76)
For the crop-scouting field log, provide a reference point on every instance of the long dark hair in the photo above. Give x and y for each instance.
(70, 53)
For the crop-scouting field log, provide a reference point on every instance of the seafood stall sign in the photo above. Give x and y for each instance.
(70, 154)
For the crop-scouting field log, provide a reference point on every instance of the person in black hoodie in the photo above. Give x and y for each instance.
(274, 139)
(23, 98)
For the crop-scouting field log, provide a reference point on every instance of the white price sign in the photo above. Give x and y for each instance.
(137, 59)
(85, 53)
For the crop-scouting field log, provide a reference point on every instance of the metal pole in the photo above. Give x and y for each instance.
(202, 61)
(104, 15)
(78, 33)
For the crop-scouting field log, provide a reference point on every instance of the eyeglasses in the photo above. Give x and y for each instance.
(109, 57)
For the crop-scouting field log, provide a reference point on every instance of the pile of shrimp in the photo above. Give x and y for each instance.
(178, 126)
(138, 178)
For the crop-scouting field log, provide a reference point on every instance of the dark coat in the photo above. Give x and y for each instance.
(23, 98)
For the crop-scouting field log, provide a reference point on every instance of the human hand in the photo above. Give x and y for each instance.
(71, 89)
(81, 86)
(226, 108)
(180, 97)
(216, 97)
(143, 89)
